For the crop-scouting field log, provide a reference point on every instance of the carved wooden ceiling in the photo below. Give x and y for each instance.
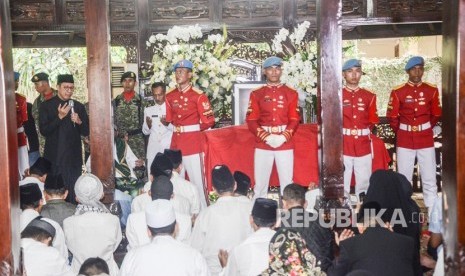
(39, 23)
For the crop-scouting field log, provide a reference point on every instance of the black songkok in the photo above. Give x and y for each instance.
(222, 178)
(265, 209)
(161, 188)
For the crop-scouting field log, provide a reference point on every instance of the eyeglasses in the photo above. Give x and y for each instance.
(68, 88)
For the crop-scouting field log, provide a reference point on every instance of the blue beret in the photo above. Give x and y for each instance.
(414, 61)
(183, 64)
(351, 63)
(128, 74)
(16, 76)
(272, 61)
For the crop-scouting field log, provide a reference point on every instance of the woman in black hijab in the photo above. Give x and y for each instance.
(393, 192)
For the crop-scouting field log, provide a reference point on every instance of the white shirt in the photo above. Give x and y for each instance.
(164, 256)
(58, 241)
(186, 189)
(40, 259)
(31, 179)
(91, 235)
(160, 135)
(180, 204)
(139, 202)
(251, 257)
(136, 229)
(222, 225)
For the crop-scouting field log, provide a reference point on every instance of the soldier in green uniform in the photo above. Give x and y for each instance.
(42, 86)
(128, 110)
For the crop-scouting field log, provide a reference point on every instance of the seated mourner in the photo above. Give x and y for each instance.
(40, 258)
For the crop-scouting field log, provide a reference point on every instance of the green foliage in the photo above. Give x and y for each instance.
(382, 75)
(55, 61)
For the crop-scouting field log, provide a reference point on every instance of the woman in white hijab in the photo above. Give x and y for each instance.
(92, 231)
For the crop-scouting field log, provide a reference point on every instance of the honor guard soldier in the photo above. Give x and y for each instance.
(21, 118)
(128, 108)
(273, 117)
(42, 86)
(359, 117)
(413, 111)
(190, 112)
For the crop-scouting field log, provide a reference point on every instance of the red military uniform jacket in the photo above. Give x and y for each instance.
(270, 108)
(414, 105)
(188, 108)
(21, 118)
(359, 115)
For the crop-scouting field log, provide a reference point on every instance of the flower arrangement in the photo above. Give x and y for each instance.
(212, 73)
(299, 66)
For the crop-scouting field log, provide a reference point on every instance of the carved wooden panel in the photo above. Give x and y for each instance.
(306, 8)
(129, 42)
(252, 35)
(352, 7)
(122, 11)
(179, 9)
(23, 11)
(388, 8)
(74, 11)
(233, 9)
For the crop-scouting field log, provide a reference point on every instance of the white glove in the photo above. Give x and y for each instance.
(437, 130)
(279, 140)
(270, 140)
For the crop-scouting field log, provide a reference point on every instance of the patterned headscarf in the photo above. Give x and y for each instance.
(289, 256)
(89, 191)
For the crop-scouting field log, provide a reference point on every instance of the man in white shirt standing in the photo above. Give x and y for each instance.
(251, 256)
(155, 125)
(223, 224)
(163, 255)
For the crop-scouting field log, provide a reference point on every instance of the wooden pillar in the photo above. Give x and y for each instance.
(99, 87)
(9, 195)
(329, 94)
(453, 100)
(143, 31)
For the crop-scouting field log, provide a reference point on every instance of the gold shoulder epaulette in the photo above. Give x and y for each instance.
(430, 84)
(291, 87)
(197, 90)
(256, 88)
(399, 86)
(368, 90)
(171, 90)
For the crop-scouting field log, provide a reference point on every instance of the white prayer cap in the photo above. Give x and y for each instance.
(89, 190)
(159, 213)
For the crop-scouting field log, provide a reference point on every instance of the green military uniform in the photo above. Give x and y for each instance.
(129, 117)
(36, 106)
